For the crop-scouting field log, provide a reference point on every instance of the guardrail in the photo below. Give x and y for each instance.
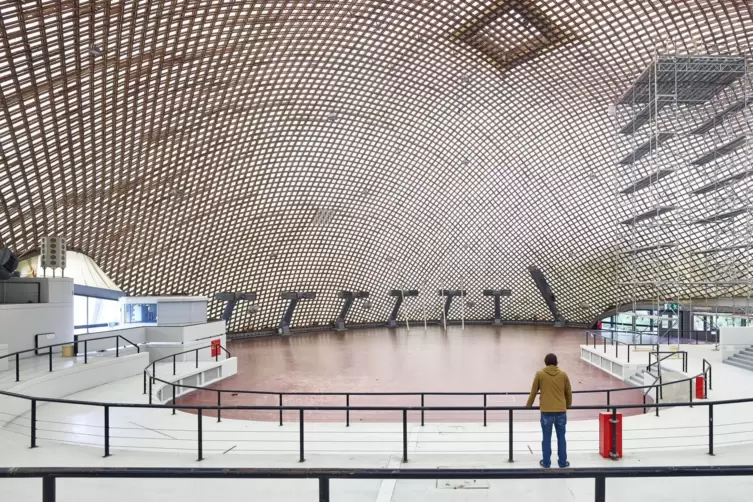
(36, 351)
(668, 354)
(201, 409)
(151, 376)
(599, 475)
(615, 343)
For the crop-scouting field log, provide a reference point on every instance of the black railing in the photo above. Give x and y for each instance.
(613, 342)
(667, 354)
(403, 410)
(151, 375)
(36, 350)
(301, 410)
(598, 474)
(150, 378)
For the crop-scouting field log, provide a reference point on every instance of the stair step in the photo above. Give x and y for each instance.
(732, 362)
(636, 381)
(748, 351)
(745, 356)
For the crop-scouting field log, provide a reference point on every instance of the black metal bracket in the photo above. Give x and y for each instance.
(232, 298)
(497, 294)
(294, 297)
(400, 296)
(449, 295)
(349, 297)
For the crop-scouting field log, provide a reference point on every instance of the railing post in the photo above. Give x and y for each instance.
(657, 398)
(280, 410)
(173, 364)
(219, 404)
(323, 489)
(33, 423)
(617, 349)
(201, 435)
(628, 349)
(18, 367)
(711, 387)
(107, 431)
(690, 387)
(117, 346)
(605, 344)
(48, 488)
(509, 437)
(347, 410)
(644, 403)
(609, 398)
(601, 489)
(711, 429)
(405, 435)
(422, 410)
(613, 453)
(197, 358)
(300, 434)
(86, 352)
(144, 381)
(154, 370)
(484, 411)
(150, 390)
(173, 386)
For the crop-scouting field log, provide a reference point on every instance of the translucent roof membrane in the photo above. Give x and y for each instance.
(195, 146)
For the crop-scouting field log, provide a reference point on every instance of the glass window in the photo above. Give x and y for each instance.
(103, 312)
(140, 312)
(79, 311)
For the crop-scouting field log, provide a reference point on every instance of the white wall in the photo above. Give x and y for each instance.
(136, 335)
(19, 323)
(733, 339)
(199, 378)
(173, 312)
(185, 334)
(158, 351)
(65, 382)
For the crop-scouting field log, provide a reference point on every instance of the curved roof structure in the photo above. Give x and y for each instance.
(195, 146)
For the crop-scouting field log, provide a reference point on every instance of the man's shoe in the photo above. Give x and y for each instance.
(567, 464)
(541, 463)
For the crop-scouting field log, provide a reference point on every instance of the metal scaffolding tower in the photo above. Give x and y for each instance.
(684, 119)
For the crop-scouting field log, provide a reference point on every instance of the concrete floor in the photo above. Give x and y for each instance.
(476, 359)
(71, 435)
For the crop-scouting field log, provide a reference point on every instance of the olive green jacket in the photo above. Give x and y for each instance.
(554, 386)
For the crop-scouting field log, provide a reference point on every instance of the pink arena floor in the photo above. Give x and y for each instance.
(477, 359)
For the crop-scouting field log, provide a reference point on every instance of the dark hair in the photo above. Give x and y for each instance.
(550, 360)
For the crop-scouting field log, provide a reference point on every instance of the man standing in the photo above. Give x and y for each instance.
(556, 398)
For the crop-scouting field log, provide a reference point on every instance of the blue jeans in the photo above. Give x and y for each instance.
(559, 421)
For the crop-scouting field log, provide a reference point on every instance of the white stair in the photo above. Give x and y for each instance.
(743, 359)
(637, 380)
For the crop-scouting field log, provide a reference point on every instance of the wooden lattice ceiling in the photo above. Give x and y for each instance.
(198, 146)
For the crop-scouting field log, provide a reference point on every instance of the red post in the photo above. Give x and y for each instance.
(700, 387)
(606, 429)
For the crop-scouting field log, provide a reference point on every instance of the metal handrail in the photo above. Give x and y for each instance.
(70, 343)
(616, 343)
(36, 350)
(152, 378)
(598, 474)
(199, 409)
(669, 354)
